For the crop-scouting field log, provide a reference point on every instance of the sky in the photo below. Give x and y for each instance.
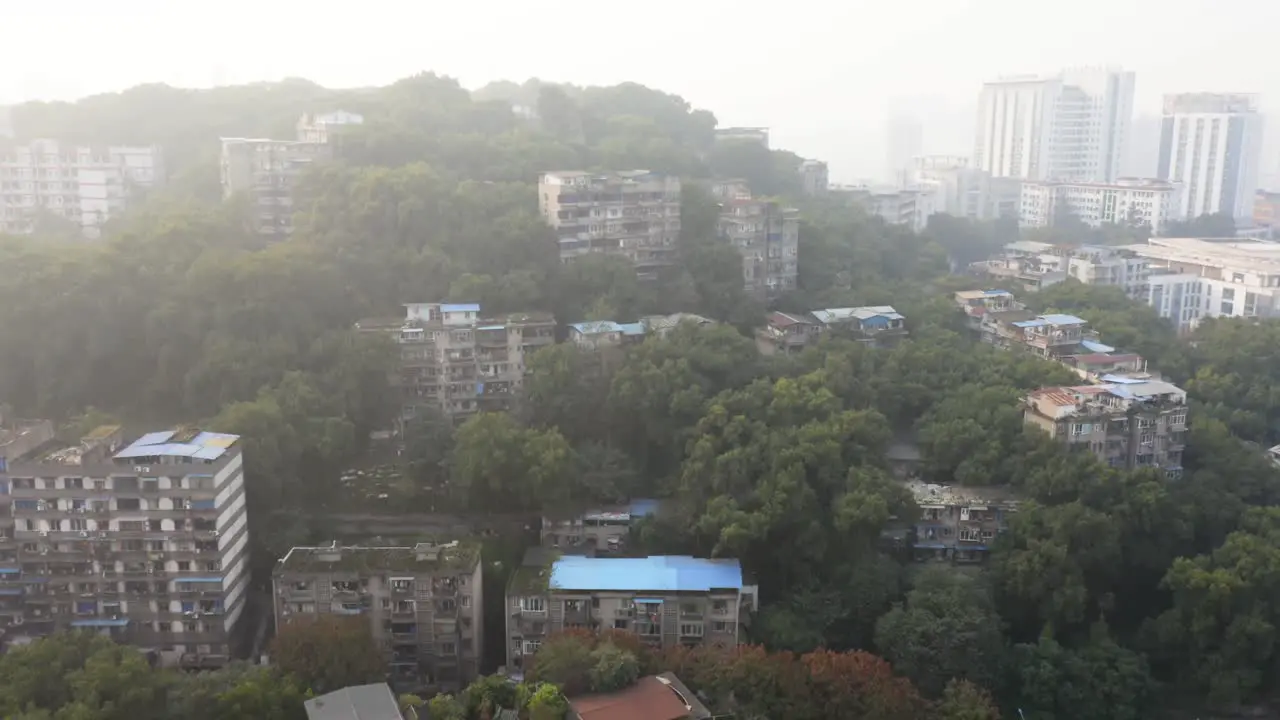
(824, 76)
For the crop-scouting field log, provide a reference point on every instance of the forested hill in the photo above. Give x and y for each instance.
(1114, 595)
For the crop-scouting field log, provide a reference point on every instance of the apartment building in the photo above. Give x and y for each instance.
(1128, 421)
(598, 530)
(814, 177)
(665, 600)
(146, 542)
(424, 604)
(1211, 144)
(633, 214)
(1073, 125)
(767, 235)
(1052, 336)
(978, 304)
(958, 524)
(267, 171)
(1196, 278)
(1126, 202)
(83, 184)
(454, 362)
(906, 207)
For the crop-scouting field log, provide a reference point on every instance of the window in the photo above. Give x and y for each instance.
(448, 648)
(533, 604)
(691, 629)
(531, 646)
(128, 504)
(721, 626)
(401, 584)
(465, 601)
(620, 624)
(573, 606)
(720, 607)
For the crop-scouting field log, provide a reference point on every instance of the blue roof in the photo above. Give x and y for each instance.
(670, 573)
(1097, 347)
(204, 446)
(1030, 323)
(634, 328)
(1122, 379)
(596, 327)
(1057, 319)
(461, 307)
(643, 507)
(996, 292)
(9, 571)
(100, 622)
(492, 327)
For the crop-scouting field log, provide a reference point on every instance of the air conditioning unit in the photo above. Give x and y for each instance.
(44, 533)
(102, 534)
(84, 534)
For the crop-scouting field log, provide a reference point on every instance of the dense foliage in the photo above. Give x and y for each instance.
(1111, 592)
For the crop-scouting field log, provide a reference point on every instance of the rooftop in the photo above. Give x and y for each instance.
(981, 294)
(867, 312)
(670, 573)
(597, 327)
(930, 495)
(423, 557)
(782, 320)
(1214, 252)
(359, 702)
(656, 697)
(184, 442)
(1051, 319)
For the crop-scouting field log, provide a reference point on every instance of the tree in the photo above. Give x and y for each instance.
(546, 702)
(238, 690)
(329, 652)
(1101, 680)
(445, 707)
(962, 700)
(565, 660)
(80, 675)
(498, 464)
(947, 629)
(613, 668)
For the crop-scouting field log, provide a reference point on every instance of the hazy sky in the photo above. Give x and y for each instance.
(822, 75)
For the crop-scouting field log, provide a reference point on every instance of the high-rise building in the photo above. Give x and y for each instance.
(145, 542)
(1070, 126)
(633, 214)
(85, 185)
(766, 234)
(814, 177)
(268, 170)
(1210, 143)
(904, 140)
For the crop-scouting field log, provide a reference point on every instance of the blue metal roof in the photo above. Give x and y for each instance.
(596, 327)
(634, 328)
(1097, 347)
(100, 622)
(671, 573)
(1059, 319)
(461, 307)
(204, 446)
(996, 292)
(1122, 379)
(643, 507)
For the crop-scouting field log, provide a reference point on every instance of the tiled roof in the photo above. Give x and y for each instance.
(649, 699)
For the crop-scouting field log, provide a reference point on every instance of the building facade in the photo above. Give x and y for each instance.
(424, 604)
(767, 236)
(147, 542)
(81, 184)
(1071, 126)
(1127, 202)
(1128, 421)
(1037, 265)
(958, 524)
(267, 171)
(1197, 278)
(633, 214)
(664, 600)
(960, 190)
(814, 177)
(1210, 144)
(455, 363)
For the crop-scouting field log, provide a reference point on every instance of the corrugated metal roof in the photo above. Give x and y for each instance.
(359, 702)
(461, 307)
(204, 446)
(1061, 319)
(634, 328)
(597, 327)
(663, 573)
(1097, 346)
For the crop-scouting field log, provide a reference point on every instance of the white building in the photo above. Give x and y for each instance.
(960, 190)
(1126, 201)
(814, 177)
(1038, 265)
(1195, 278)
(86, 185)
(1210, 143)
(1071, 126)
(322, 127)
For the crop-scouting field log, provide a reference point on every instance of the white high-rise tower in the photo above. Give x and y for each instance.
(1210, 143)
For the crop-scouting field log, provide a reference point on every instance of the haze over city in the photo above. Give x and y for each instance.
(824, 77)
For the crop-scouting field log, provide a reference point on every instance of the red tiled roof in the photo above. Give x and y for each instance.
(648, 699)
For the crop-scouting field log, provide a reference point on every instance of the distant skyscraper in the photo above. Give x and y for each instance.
(1210, 143)
(1073, 126)
(1142, 153)
(904, 141)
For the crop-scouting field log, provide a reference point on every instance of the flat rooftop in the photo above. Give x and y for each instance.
(1214, 252)
(423, 557)
(930, 495)
(660, 573)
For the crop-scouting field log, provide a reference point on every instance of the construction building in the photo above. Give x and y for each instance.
(767, 235)
(958, 524)
(633, 214)
(84, 185)
(454, 362)
(267, 171)
(146, 542)
(1130, 421)
(664, 600)
(424, 604)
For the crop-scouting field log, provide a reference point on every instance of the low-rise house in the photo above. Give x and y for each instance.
(1051, 336)
(656, 697)
(599, 529)
(664, 600)
(1093, 366)
(1128, 421)
(959, 524)
(662, 325)
(787, 333)
(424, 603)
(978, 304)
(358, 702)
(596, 334)
(879, 324)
